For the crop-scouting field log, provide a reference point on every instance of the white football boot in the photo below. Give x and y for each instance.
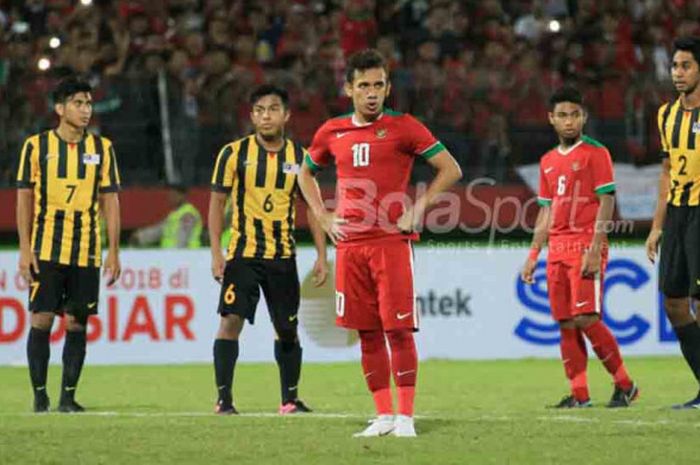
(380, 426)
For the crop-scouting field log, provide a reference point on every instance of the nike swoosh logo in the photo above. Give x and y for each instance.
(341, 134)
(401, 316)
(369, 374)
(581, 304)
(402, 373)
(50, 156)
(293, 388)
(548, 170)
(92, 304)
(68, 388)
(292, 318)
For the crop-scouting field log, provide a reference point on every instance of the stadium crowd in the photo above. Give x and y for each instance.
(478, 73)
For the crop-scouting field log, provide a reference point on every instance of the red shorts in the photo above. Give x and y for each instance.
(374, 286)
(571, 294)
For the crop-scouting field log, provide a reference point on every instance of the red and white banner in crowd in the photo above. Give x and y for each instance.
(471, 303)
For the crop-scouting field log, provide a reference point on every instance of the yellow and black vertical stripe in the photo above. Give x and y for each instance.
(67, 180)
(679, 130)
(263, 190)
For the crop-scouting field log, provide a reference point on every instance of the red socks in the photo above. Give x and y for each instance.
(375, 365)
(607, 350)
(575, 358)
(377, 369)
(404, 365)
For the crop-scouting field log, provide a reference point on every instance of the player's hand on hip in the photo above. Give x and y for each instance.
(218, 263)
(331, 223)
(405, 223)
(652, 244)
(528, 271)
(27, 264)
(591, 263)
(320, 272)
(112, 268)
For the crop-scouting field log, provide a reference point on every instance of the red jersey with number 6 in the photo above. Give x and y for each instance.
(571, 181)
(373, 166)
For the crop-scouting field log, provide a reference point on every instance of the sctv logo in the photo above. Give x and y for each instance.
(623, 277)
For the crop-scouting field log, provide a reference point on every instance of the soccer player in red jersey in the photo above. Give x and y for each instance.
(577, 202)
(373, 226)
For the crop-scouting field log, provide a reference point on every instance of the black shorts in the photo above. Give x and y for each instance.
(65, 288)
(279, 281)
(679, 268)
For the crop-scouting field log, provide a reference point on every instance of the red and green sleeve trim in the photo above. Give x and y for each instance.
(315, 167)
(542, 202)
(605, 188)
(433, 150)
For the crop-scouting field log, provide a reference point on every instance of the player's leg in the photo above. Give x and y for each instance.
(587, 310)
(82, 295)
(45, 298)
(392, 270)
(571, 343)
(679, 269)
(356, 308)
(239, 297)
(280, 287)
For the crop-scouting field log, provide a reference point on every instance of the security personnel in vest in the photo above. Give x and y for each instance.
(181, 229)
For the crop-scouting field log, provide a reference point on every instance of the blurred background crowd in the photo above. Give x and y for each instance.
(478, 73)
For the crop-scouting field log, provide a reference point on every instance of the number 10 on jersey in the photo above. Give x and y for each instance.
(360, 154)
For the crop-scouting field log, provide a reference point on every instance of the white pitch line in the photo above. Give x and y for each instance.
(191, 414)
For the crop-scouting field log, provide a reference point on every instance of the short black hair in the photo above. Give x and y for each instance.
(565, 94)
(68, 87)
(366, 59)
(269, 89)
(688, 44)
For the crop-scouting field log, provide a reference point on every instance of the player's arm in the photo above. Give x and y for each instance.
(314, 160)
(652, 242)
(215, 222)
(25, 212)
(26, 176)
(447, 172)
(592, 257)
(604, 188)
(320, 271)
(539, 239)
(110, 206)
(221, 184)
(542, 224)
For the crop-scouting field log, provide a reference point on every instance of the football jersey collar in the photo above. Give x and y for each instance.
(565, 152)
(361, 125)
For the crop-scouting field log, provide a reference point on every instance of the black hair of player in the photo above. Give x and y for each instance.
(688, 44)
(269, 89)
(68, 87)
(361, 61)
(565, 94)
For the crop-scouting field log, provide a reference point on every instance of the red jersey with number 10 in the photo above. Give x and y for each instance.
(571, 182)
(373, 166)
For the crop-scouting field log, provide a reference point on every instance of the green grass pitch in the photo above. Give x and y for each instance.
(486, 412)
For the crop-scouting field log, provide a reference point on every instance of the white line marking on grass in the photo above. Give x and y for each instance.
(195, 414)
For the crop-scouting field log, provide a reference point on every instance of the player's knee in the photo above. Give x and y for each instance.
(567, 324)
(400, 339)
(76, 322)
(43, 321)
(372, 341)
(678, 310)
(288, 338)
(584, 321)
(230, 327)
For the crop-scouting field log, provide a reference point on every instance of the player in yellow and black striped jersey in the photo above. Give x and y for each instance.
(677, 219)
(63, 176)
(259, 173)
